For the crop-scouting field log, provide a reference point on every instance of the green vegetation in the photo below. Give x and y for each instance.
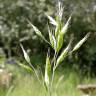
(14, 25)
(56, 66)
(28, 85)
(56, 37)
(25, 83)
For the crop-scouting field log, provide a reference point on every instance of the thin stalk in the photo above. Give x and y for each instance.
(66, 56)
(53, 71)
(9, 91)
(46, 41)
(43, 82)
(35, 72)
(49, 91)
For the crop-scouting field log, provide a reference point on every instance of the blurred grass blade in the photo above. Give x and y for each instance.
(52, 39)
(37, 31)
(29, 62)
(59, 42)
(52, 21)
(57, 31)
(58, 28)
(9, 90)
(60, 10)
(63, 54)
(61, 35)
(79, 44)
(64, 29)
(59, 81)
(25, 55)
(47, 72)
(25, 67)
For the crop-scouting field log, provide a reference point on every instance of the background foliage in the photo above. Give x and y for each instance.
(14, 28)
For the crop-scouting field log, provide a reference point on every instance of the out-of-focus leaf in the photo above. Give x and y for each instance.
(52, 21)
(61, 35)
(59, 81)
(58, 28)
(60, 10)
(29, 62)
(47, 72)
(63, 54)
(54, 42)
(79, 44)
(25, 54)
(59, 42)
(52, 39)
(25, 67)
(64, 29)
(37, 31)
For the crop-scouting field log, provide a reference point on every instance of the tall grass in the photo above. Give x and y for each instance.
(27, 85)
(50, 86)
(56, 40)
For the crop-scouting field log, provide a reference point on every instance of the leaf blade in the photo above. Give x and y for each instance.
(63, 54)
(37, 31)
(47, 72)
(52, 20)
(25, 55)
(65, 27)
(52, 39)
(79, 44)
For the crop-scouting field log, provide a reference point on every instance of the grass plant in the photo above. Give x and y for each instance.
(56, 40)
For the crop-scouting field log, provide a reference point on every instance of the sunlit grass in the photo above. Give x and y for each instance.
(27, 85)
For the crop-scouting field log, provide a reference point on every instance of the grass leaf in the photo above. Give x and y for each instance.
(29, 62)
(47, 72)
(63, 54)
(60, 10)
(64, 29)
(79, 44)
(59, 42)
(52, 39)
(61, 35)
(52, 21)
(37, 31)
(25, 55)
(25, 67)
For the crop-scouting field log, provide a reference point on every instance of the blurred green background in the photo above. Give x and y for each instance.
(14, 28)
